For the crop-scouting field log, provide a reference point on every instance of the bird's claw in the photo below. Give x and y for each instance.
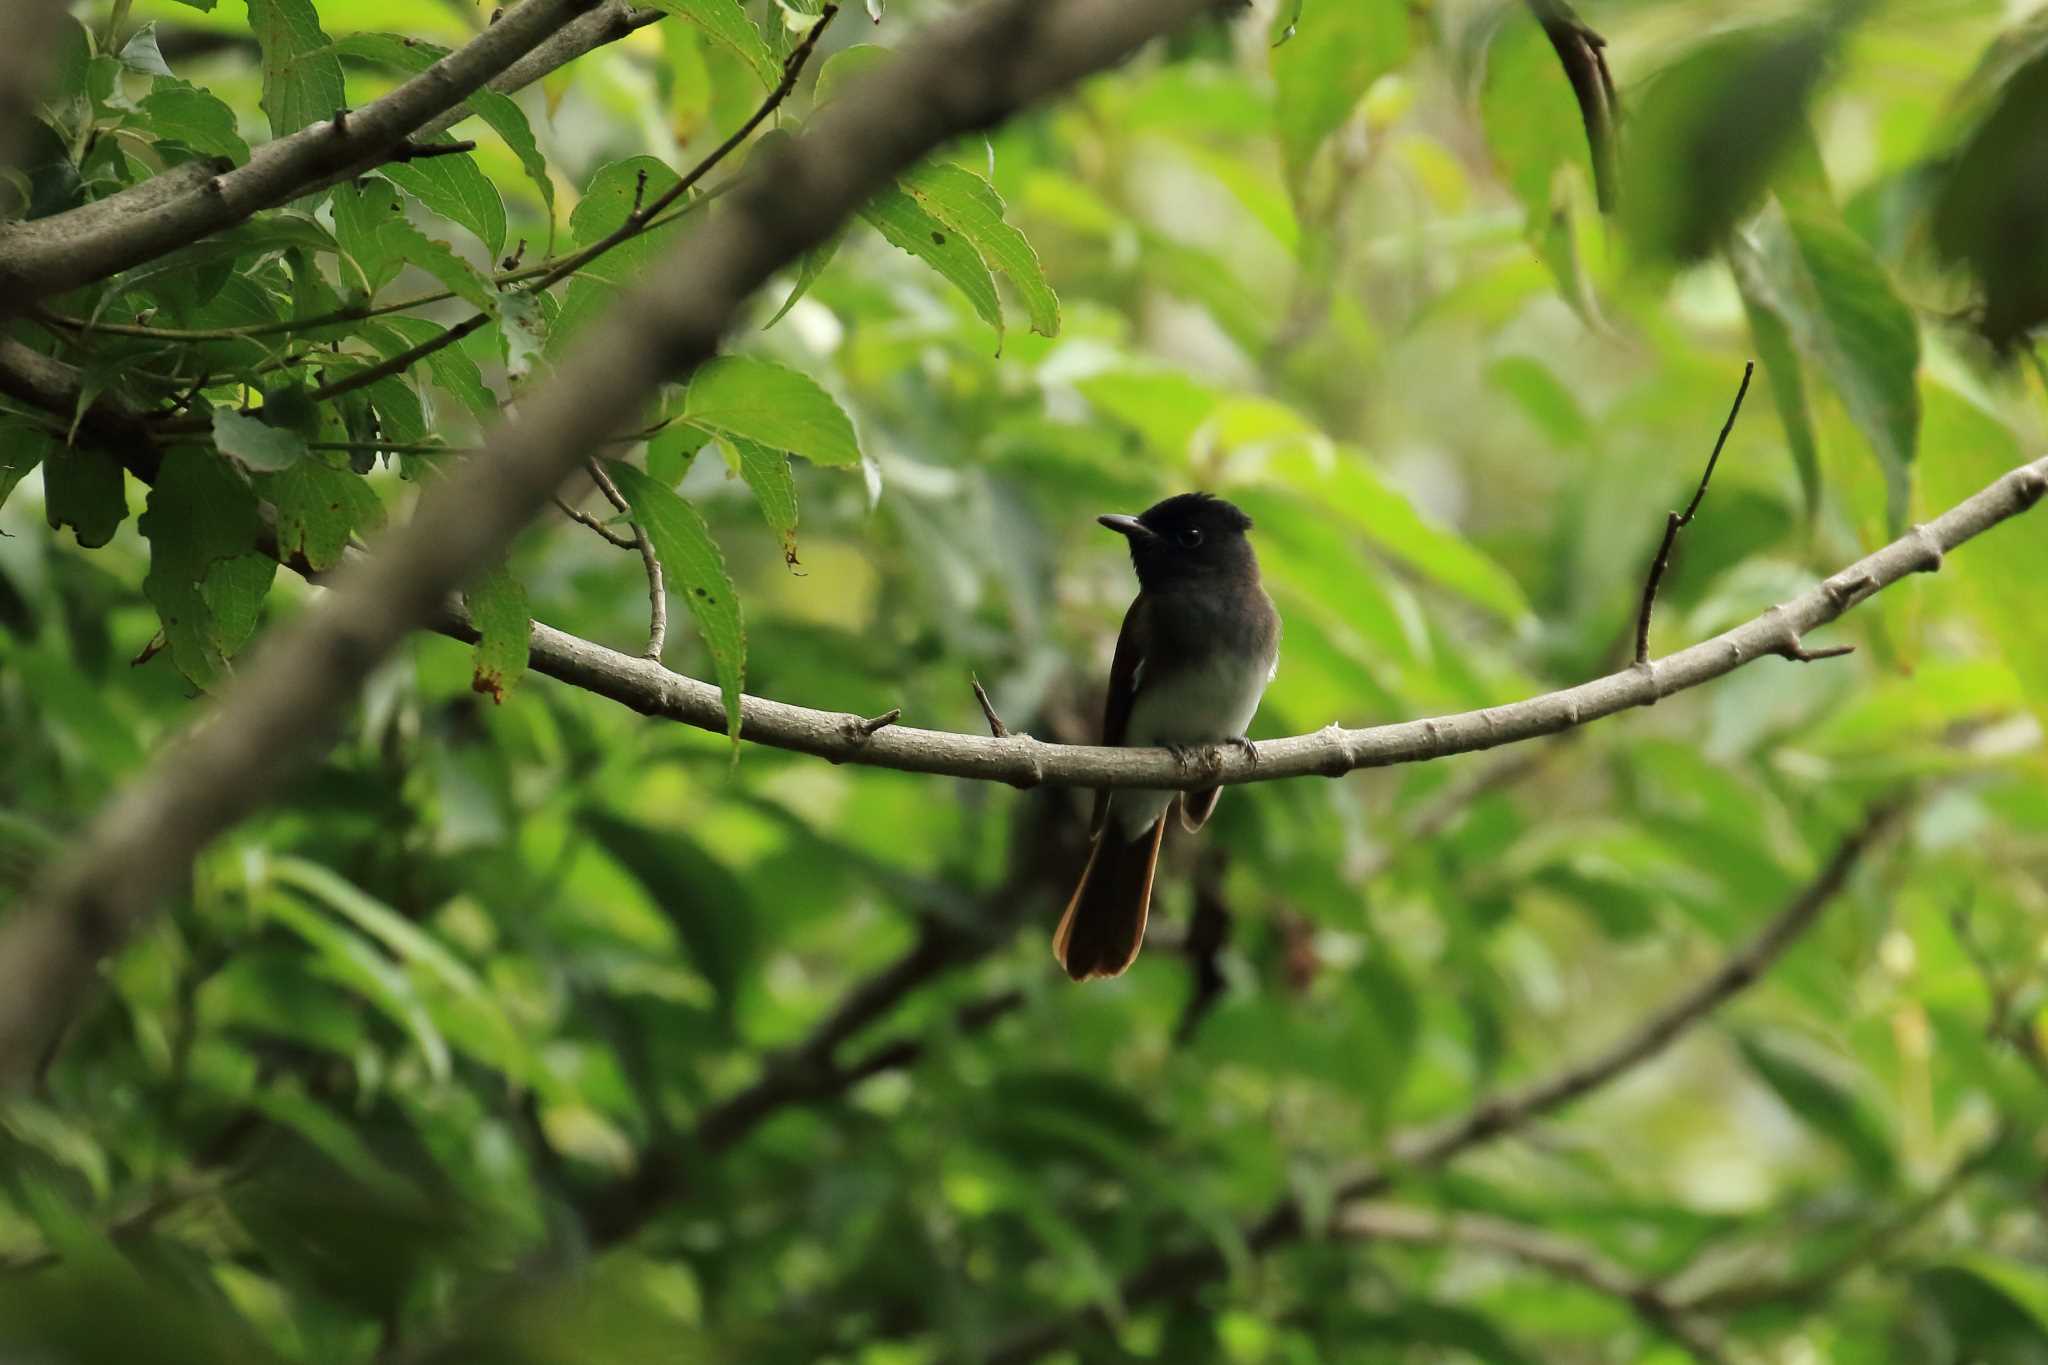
(1183, 755)
(1247, 748)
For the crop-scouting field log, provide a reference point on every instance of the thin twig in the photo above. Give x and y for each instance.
(421, 151)
(996, 728)
(583, 518)
(1545, 1251)
(657, 595)
(1677, 521)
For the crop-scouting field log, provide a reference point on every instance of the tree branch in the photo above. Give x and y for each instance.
(657, 594)
(1560, 1256)
(44, 257)
(965, 73)
(1425, 1148)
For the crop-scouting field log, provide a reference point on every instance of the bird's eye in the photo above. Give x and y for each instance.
(1189, 538)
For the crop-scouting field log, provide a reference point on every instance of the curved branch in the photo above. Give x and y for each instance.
(966, 73)
(1023, 761)
(1425, 1148)
(48, 256)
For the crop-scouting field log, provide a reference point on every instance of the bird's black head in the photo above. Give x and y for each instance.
(1187, 537)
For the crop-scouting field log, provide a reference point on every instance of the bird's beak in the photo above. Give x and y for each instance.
(1126, 526)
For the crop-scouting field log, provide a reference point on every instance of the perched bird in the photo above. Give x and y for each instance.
(1198, 647)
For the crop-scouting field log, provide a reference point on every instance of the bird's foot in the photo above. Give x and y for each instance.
(1247, 748)
(1183, 755)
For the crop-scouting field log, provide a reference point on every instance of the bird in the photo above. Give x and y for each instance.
(1199, 645)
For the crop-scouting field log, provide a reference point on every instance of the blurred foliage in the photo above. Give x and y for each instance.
(526, 1029)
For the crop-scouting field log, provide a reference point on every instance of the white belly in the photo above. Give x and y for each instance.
(1188, 707)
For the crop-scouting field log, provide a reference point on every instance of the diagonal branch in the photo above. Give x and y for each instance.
(1171, 1274)
(965, 73)
(45, 257)
(1559, 1256)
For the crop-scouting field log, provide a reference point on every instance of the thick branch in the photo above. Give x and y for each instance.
(965, 73)
(1560, 1256)
(1422, 1149)
(48, 256)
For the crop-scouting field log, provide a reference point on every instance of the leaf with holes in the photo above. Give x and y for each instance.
(504, 625)
(83, 489)
(970, 206)
(318, 508)
(204, 581)
(696, 571)
(766, 471)
(904, 224)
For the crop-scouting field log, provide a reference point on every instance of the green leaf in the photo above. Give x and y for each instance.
(451, 366)
(302, 79)
(83, 489)
(1705, 140)
(399, 240)
(497, 607)
(362, 209)
(905, 225)
(181, 112)
(141, 53)
(766, 471)
(500, 111)
(1772, 333)
(1324, 58)
(776, 406)
(318, 508)
(1831, 1111)
(615, 189)
(453, 187)
(353, 962)
(726, 23)
(700, 897)
(1990, 216)
(23, 446)
(256, 445)
(696, 570)
(1532, 121)
(205, 579)
(808, 269)
(968, 204)
(1843, 312)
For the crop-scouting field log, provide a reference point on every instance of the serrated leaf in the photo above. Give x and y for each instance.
(726, 23)
(970, 206)
(255, 444)
(180, 112)
(454, 188)
(83, 489)
(362, 208)
(451, 366)
(1842, 310)
(615, 189)
(695, 570)
(500, 111)
(318, 508)
(905, 225)
(401, 241)
(141, 53)
(497, 607)
(204, 579)
(1324, 60)
(772, 404)
(302, 79)
(766, 472)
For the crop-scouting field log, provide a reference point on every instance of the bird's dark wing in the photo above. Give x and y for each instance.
(1133, 643)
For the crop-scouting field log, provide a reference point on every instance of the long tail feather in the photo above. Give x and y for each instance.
(1105, 921)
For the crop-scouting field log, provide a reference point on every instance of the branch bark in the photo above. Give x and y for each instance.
(965, 73)
(48, 256)
(1425, 1148)
(1583, 54)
